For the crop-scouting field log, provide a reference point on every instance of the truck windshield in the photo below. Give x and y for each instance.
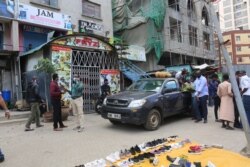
(146, 85)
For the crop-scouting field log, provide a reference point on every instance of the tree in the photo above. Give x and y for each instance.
(46, 66)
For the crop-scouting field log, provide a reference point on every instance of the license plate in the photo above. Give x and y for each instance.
(114, 116)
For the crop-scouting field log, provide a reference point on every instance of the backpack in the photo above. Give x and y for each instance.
(29, 91)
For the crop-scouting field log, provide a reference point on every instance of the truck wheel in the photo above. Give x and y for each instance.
(114, 122)
(153, 120)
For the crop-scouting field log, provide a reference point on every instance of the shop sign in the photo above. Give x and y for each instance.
(83, 41)
(90, 27)
(113, 77)
(44, 17)
(61, 59)
(136, 53)
(36, 29)
(1, 26)
(7, 8)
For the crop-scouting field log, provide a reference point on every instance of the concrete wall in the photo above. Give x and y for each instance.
(33, 60)
(184, 47)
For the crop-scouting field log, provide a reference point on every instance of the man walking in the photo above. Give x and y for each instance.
(77, 102)
(245, 91)
(55, 94)
(7, 115)
(33, 98)
(237, 123)
(214, 86)
(201, 93)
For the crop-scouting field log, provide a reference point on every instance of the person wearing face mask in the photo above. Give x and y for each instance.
(33, 99)
(77, 102)
(201, 94)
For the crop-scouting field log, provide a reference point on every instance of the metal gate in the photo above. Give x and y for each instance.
(87, 64)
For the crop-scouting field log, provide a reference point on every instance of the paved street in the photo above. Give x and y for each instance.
(46, 148)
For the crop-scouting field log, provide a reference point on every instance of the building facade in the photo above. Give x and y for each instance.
(233, 14)
(173, 32)
(25, 25)
(238, 46)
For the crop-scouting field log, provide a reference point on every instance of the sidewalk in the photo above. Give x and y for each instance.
(15, 117)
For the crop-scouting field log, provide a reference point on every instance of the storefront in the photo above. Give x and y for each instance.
(89, 56)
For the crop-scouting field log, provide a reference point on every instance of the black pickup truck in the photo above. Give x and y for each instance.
(147, 102)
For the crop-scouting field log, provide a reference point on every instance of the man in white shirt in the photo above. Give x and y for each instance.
(201, 93)
(245, 92)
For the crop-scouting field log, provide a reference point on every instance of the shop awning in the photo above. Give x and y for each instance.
(34, 50)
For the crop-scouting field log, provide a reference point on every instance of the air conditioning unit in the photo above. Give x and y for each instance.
(244, 1)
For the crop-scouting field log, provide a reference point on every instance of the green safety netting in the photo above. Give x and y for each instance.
(143, 26)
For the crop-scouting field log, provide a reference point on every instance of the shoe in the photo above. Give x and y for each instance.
(57, 129)
(198, 120)
(76, 128)
(170, 158)
(28, 129)
(205, 121)
(39, 126)
(64, 126)
(197, 164)
(223, 126)
(80, 129)
(229, 128)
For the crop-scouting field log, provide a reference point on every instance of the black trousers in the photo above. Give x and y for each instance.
(216, 106)
(57, 113)
(236, 114)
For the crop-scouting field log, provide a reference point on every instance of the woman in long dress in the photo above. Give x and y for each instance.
(227, 106)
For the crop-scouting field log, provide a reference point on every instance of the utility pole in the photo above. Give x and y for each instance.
(236, 91)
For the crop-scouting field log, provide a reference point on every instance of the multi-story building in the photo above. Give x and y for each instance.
(173, 32)
(238, 46)
(26, 25)
(233, 14)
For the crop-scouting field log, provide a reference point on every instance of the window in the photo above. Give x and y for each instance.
(239, 59)
(91, 9)
(191, 9)
(171, 85)
(237, 38)
(51, 3)
(206, 41)
(174, 4)
(193, 40)
(175, 29)
(204, 17)
(239, 49)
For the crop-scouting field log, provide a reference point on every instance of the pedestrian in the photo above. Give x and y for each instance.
(7, 115)
(201, 94)
(237, 123)
(55, 94)
(214, 86)
(245, 92)
(195, 107)
(33, 99)
(181, 76)
(227, 107)
(77, 102)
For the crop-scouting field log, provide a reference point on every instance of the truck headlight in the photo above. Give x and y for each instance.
(137, 103)
(105, 101)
